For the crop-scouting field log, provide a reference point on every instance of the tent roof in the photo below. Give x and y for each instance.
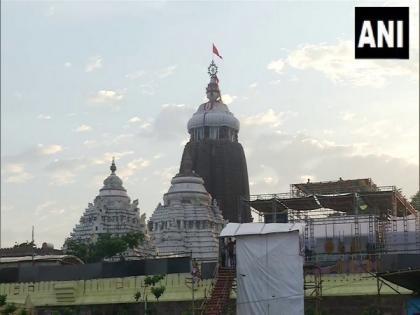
(237, 229)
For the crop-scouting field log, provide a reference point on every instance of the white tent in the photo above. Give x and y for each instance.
(269, 268)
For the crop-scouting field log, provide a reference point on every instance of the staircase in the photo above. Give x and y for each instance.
(220, 294)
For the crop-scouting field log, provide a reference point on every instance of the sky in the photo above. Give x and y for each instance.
(82, 82)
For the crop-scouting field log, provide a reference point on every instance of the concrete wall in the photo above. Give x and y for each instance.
(345, 305)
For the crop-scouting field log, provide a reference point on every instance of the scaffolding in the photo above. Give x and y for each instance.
(352, 218)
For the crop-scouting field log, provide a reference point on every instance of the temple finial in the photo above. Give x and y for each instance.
(212, 90)
(113, 167)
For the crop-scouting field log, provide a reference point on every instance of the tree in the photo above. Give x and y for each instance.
(415, 201)
(106, 246)
(3, 298)
(9, 309)
(158, 291)
(137, 296)
(133, 239)
(150, 282)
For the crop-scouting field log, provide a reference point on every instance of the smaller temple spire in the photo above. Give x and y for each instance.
(113, 167)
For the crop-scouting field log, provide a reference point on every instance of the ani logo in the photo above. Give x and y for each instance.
(381, 33)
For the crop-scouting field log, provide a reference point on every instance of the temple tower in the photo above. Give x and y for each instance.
(112, 212)
(189, 220)
(216, 154)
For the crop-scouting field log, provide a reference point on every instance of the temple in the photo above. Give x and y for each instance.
(112, 212)
(216, 154)
(189, 221)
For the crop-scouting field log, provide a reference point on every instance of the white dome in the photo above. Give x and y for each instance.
(217, 115)
(113, 185)
(187, 184)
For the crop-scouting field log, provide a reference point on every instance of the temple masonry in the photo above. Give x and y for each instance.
(113, 212)
(216, 154)
(189, 220)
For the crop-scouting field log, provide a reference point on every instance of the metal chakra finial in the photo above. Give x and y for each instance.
(113, 167)
(212, 69)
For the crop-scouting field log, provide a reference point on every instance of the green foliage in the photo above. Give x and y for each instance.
(137, 296)
(3, 298)
(105, 247)
(23, 312)
(158, 291)
(153, 280)
(9, 309)
(133, 239)
(415, 201)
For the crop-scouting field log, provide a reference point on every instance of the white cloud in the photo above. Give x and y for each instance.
(170, 123)
(135, 119)
(43, 116)
(337, 63)
(106, 97)
(133, 167)
(166, 72)
(303, 157)
(147, 89)
(94, 63)
(253, 85)
(347, 116)
(135, 75)
(49, 149)
(89, 143)
(83, 128)
(41, 207)
(228, 99)
(62, 177)
(107, 157)
(268, 118)
(67, 64)
(277, 66)
(15, 173)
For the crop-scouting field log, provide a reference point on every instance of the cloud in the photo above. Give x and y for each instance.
(94, 63)
(291, 158)
(49, 149)
(166, 72)
(89, 143)
(43, 116)
(147, 89)
(337, 63)
(277, 66)
(170, 123)
(107, 97)
(65, 171)
(133, 167)
(62, 177)
(347, 116)
(269, 118)
(135, 119)
(228, 99)
(135, 75)
(108, 156)
(15, 173)
(253, 85)
(83, 128)
(67, 64)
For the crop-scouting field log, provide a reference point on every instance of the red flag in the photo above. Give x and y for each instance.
(216, 52)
